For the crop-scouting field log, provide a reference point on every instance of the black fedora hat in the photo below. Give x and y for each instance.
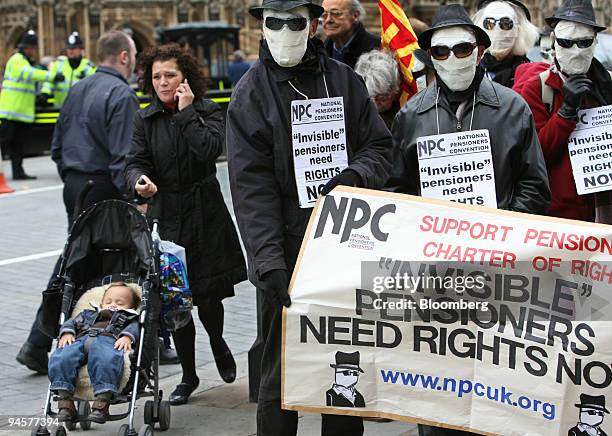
(597, 402)
(451, 16)
(577, 11)
(347, 361)
(483, 3)
(285, 5)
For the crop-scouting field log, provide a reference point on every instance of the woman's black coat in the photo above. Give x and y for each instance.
(178, 152)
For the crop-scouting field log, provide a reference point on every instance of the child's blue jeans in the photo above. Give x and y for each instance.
(104, 364)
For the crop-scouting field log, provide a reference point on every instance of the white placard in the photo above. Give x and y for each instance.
(319, 145)
(590, 150)
(458, 167)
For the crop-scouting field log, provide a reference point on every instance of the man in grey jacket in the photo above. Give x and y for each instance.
(462, 99)
(292, 67)
(91, 139)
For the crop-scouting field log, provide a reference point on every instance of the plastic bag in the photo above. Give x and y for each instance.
(176, 297)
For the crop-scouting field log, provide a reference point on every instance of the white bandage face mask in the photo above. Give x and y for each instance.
(502, 41)
(287, 46)
(456, 73)
(574, 60)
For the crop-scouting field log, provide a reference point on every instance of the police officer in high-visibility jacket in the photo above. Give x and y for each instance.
(18, 99)
(73, 67)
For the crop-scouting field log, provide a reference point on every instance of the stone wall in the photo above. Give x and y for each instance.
(55, 19)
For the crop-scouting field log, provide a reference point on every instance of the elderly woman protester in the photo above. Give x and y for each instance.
(175, 143)
(380, 72)
(508, 24)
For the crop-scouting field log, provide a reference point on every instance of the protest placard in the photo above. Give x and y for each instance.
(452, 315)
(590, 150)
(458, 167)
(319, 145)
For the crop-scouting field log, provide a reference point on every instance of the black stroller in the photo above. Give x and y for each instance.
(110, 242)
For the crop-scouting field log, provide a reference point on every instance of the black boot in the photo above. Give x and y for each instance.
(182, 392)
(24, 176)
(226, 365)
(34, 358)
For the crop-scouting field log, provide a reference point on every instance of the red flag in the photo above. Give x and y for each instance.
(397, 35)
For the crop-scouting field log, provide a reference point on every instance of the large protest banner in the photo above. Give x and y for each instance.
(463, 317)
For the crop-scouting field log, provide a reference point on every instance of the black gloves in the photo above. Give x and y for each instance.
(347, 178)
(59, 77)
(275, 285)
(42, 100)
(574, 88)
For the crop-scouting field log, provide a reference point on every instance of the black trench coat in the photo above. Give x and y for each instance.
(177, 152)
(260, 152)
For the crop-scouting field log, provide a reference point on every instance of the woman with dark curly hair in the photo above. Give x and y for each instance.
(175, 143)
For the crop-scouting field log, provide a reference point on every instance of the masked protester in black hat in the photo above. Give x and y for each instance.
(292, 66)
(575, 80)
(508, 24)
(463, 99)
(73, 67)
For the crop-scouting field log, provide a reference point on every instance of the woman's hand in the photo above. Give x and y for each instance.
(66, 339)
(123, 343)
(145, 187)
(184, 95)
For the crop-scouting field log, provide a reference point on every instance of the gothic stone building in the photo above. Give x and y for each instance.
(55, 19)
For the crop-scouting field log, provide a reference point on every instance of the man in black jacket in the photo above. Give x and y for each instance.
(346, 39)
(463, 99)
(91, 139)
(292, 66)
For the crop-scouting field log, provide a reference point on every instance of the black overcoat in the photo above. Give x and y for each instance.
(260, 150)
(177, 151)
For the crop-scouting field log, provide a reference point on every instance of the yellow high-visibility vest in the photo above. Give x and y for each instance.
(18, 93)
(59, 90)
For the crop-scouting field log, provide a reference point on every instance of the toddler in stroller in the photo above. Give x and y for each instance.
(99, 336)
(108, 243)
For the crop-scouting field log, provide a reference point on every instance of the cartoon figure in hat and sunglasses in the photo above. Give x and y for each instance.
(592, 410)
(343, 392)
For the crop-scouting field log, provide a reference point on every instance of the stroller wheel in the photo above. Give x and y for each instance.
(41, 430)
(123, 430)
(60, 431)
(145, 430)
(148, 413)
(163, 414)
(84, 410)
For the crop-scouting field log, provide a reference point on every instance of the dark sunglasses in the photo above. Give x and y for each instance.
(595, 412)
(462, 50)
(581, 43)
(349, 372)
(505, 23)
(295, 24)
